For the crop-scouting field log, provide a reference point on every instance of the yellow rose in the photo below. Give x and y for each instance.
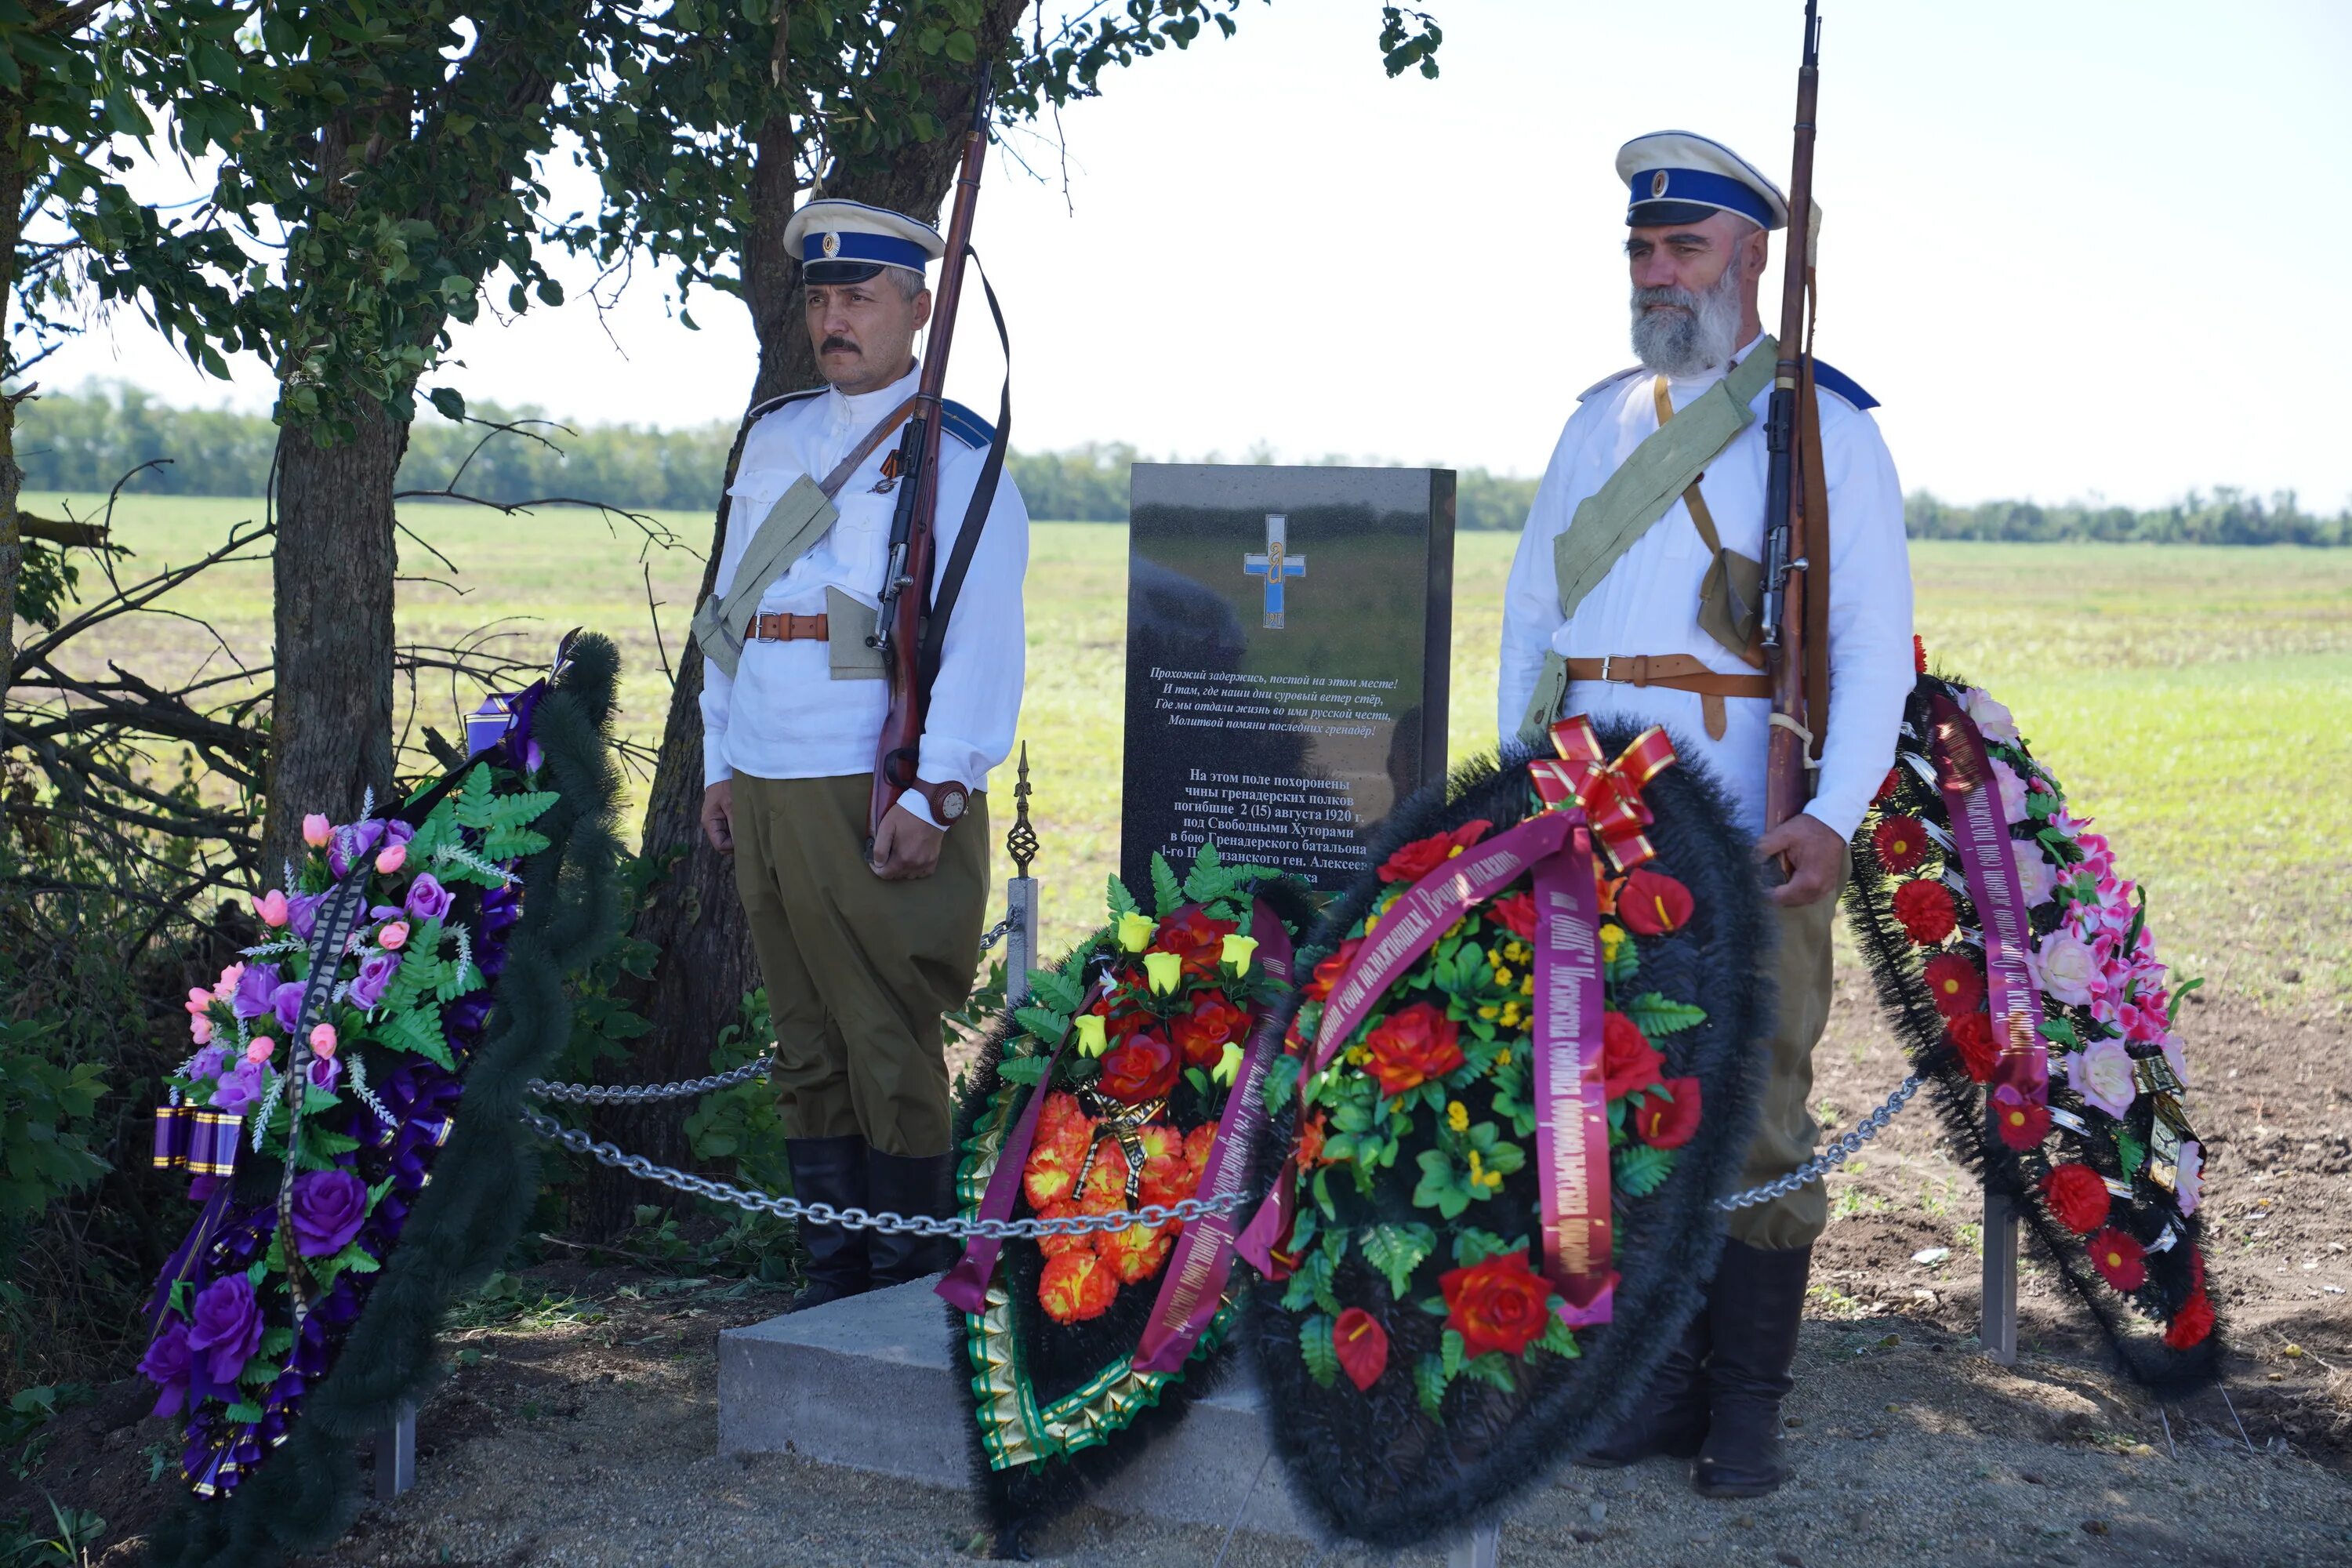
(1229, 1066)
(1090, 1034)
(1237, 951)
(1165, 971)
(1134, 931)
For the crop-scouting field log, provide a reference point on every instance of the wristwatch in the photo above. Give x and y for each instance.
(949, 800)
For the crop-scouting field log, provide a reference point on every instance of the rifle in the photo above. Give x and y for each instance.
(1787, 784)
(898, 622)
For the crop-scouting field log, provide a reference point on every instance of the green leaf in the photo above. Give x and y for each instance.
(2061, 1032)
(1641, 1170)
(1122, 903)
(1449, 1350)
(2130, 1152)
(1556, 1339)
(1051, 989)
(243, 1410)
(1658, 1016)
(1440, 1185)
(1315, 1350)
(1165, 891)
(450, 401)
(1043, 1024)
(1494, 1368)
(1473, 1247)
(1429, 1385)
(1022, 1070)
(1396, 1250)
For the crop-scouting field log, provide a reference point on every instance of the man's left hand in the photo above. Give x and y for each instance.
(907, 847)
(1813, 854)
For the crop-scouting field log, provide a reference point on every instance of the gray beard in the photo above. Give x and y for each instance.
(1696, 339)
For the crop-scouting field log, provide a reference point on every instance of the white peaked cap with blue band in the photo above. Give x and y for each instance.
(1680, 176)
(841, 241)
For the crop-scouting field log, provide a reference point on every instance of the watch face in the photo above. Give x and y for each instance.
(950, 803)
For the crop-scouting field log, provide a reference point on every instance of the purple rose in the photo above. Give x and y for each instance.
(208, 1063)
(373, 979)
(240, 1089)
(227, 1328)
(256, 989)
(427, 899)
(166, 1365)
(302, 913)
(532, 757)
(285, 1004)
(328, 1207)
(360, 841)
(324, 1071)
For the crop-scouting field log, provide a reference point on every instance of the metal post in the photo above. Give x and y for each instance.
(396, 1455)
(1997, 1325)
(1021, 893)
(1480, 1549)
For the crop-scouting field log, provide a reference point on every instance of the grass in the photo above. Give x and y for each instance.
(2198, 702)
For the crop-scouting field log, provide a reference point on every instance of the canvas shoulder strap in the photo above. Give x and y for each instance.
(1610, 520)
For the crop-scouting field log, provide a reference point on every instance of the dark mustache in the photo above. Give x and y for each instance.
(832, 344)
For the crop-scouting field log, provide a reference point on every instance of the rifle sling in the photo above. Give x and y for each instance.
(1812, 475)
(975, 514)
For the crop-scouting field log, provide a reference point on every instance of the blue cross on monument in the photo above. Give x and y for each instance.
(1276, 565)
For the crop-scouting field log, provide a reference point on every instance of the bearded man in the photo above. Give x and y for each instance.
(862, 947)
(1666, 632)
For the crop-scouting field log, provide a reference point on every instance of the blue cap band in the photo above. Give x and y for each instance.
(1700, 187)
(887, 250)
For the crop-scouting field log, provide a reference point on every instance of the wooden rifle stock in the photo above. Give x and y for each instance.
(1787, 542)
(907, 585)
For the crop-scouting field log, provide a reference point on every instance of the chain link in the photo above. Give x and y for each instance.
(641, 1093)
(996, 932)
(1830, 1158)
(859, 1219)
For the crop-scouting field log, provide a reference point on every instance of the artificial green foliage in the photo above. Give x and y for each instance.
(306, 1492)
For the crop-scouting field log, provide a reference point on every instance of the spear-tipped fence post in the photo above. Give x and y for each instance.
(1021, 892)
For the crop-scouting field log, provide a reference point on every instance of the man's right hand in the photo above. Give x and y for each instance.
(718, 816)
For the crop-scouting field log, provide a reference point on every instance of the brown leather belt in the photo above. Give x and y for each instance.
(1677, 672)
(787, 628)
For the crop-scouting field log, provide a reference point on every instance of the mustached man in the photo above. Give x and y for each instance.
(1666, 632)
(861, 951)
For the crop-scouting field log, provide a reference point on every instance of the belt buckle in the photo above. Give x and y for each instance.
(1604, 665)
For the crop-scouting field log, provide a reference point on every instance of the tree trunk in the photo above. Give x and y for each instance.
(331, 570)
(693, 916)
(12, 543)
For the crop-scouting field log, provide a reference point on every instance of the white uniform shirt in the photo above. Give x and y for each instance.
(782, 715)
(1648, 603)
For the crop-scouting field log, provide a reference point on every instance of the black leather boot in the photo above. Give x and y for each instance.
(909, 1185)
(830, 1171)
(1752, 1307)
(1671, 1419)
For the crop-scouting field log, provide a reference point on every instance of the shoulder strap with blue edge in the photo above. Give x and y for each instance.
(983, 495)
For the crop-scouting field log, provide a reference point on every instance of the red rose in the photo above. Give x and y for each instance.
(1144, 1069)
(1328, 973)
(1971, 1036)
(1515, 914)
(1362, 1346)
(1422, 856)
(1193, 934)
(2021, 1125)
(1654, 903)
(1955, 982)
(1901, 841)
(1119, 1022)
(2077, 1196)
(1924, 908)
(1201, 1034)
(1496, 1305)
(2191, 1323)
(1077, 1286)
(2121, 1261)
(1412, 1046)
(1628, 1061)
(1668, 1123)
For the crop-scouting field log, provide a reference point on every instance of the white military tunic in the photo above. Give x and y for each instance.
(782, 715)
(1648, 603)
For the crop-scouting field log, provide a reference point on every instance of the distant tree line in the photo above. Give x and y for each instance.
(85, 442)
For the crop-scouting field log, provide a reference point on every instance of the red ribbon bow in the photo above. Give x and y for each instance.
(1609, 791)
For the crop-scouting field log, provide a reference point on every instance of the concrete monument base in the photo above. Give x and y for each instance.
(868, 1384)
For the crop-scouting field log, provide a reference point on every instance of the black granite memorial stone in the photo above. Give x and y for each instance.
(1287, 634)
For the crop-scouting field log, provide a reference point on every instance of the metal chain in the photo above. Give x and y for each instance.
(996, 932)
(639, 1093)
(1830, 1158)
(857, 1218)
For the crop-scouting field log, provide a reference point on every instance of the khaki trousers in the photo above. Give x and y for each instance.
(858, 970)
(1785, 1131)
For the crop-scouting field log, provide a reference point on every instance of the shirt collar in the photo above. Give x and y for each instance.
(1709, 377)
(865, 407)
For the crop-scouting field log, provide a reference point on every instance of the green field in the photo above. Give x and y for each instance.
(2198, 702)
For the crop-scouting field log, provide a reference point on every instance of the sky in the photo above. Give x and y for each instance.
(2092, 249)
